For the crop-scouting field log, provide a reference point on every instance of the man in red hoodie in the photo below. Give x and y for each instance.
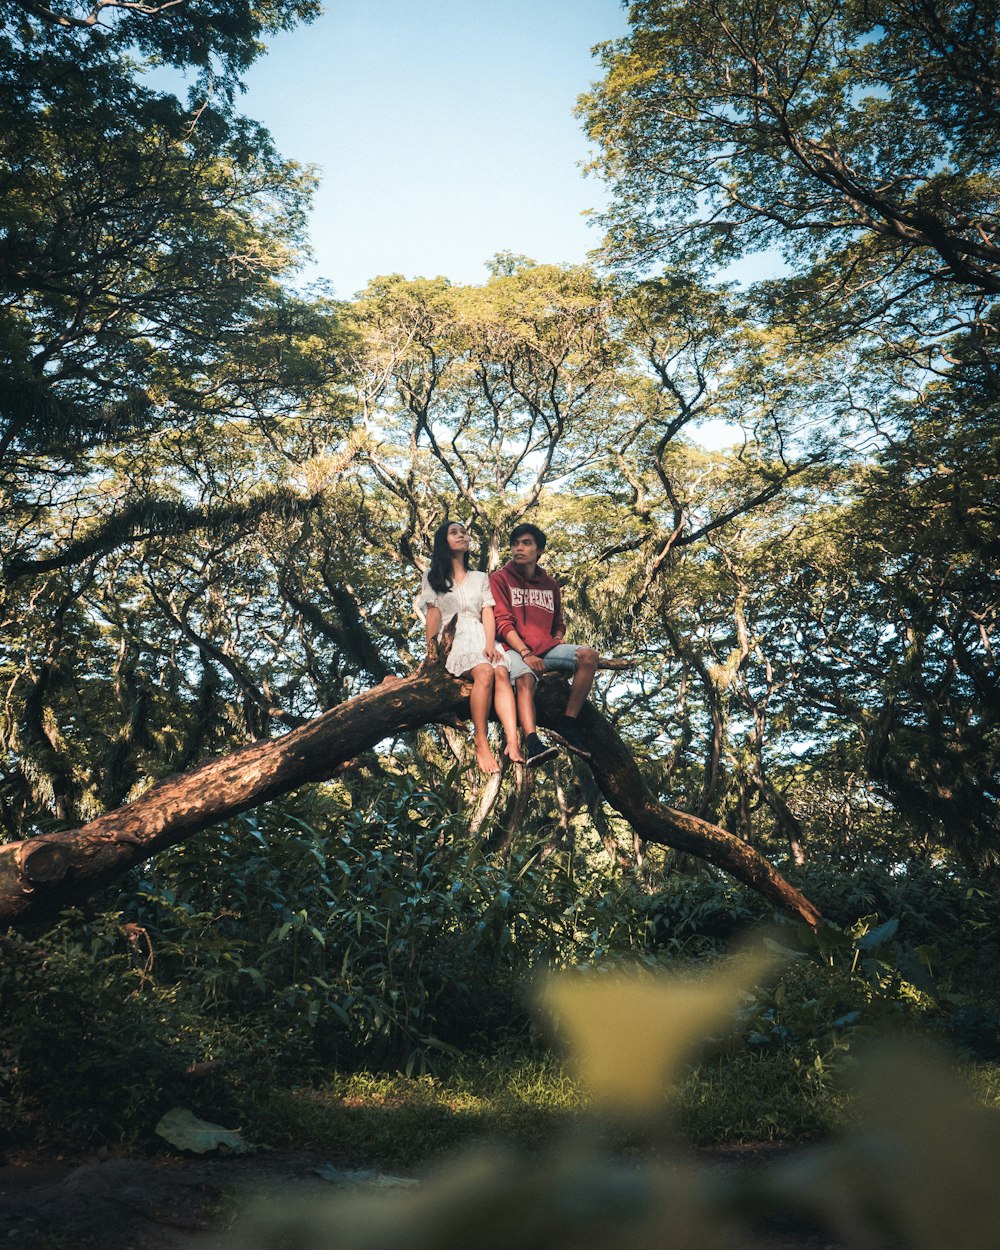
(530, 621)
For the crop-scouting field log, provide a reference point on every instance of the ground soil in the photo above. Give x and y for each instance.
(141, 1203)
(189, 1204)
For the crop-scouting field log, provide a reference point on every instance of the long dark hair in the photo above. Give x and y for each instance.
(439, 574)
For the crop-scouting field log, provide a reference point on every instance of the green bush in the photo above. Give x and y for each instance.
(700, 914)
(758, 1095)
(313, 937)
(378, 937)
(913, 949)
(290, 943)
(90, 1050)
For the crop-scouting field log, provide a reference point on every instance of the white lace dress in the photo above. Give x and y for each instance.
(466, 600)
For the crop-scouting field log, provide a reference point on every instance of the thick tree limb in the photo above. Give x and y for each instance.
(622, 784)
(155, 517)
(41, 875)
(94, 16)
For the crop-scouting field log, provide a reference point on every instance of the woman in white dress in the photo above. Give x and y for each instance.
(450, 588)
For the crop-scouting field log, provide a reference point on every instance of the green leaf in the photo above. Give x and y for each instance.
(183, 1129)
(875, 937)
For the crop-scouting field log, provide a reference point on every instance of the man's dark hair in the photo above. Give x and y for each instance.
(538, 535)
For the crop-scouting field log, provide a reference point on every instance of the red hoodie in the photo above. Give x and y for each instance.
(531, 606)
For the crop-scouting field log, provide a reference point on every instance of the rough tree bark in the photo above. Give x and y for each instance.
(41, 875)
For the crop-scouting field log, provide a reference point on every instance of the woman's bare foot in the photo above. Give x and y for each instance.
(485, 758)
(513, 753)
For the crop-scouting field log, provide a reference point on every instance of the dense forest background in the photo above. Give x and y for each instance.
(218, 491)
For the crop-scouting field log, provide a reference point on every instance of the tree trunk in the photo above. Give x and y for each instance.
(487, 800)
(41, 875)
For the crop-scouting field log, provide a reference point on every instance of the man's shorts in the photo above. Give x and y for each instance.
(562, 656)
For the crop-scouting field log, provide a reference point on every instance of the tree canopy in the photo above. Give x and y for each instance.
(218, 40)
(858, 138)
(860, 141)
(219, 490)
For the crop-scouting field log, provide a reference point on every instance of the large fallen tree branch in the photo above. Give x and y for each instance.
(41, 875)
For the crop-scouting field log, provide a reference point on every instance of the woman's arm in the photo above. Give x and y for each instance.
(433, 621)
(490, 630)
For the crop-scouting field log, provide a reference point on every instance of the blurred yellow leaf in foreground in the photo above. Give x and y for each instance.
(630, 1032)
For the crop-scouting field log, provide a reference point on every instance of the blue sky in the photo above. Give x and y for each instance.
(444, 131)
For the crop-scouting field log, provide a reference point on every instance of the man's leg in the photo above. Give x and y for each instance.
(525, 687)
(506, 710)
(583, 680)
(535, 750)
(582, 661)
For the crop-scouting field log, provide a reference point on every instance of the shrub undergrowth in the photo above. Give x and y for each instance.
(303, 943)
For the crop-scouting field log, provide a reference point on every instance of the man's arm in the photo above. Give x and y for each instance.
(514, 640)
(506, 628)
(558, 624)
(517, 643)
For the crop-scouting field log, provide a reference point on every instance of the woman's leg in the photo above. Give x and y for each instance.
(479, 702)
(506, 709)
